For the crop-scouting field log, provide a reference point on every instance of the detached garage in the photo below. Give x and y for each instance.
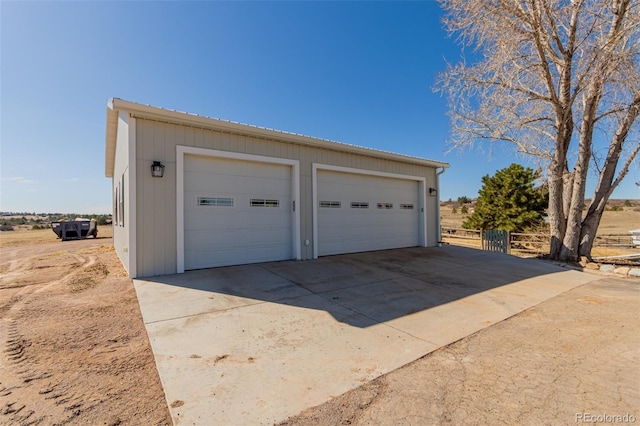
(192, 192)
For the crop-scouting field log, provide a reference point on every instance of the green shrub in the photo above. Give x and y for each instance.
(509, 201)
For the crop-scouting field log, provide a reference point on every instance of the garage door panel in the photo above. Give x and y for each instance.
(218, 218)
(238, 223)
(240, 200)
(271, 238)
(369, 233)
(267, 188)
(217, 235)
(356, 246)
(330, 182)
(241, 203)
(225, 257)
(246, 185)
(345, 229)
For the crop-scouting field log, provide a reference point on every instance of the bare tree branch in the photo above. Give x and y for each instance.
(543, 65)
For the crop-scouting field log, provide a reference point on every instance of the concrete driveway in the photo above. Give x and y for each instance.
(255, 344)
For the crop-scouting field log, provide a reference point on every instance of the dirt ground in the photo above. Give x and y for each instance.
(75, 351)
(565, 361)
(74, 347)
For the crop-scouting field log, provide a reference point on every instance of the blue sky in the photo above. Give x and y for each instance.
(354, 72)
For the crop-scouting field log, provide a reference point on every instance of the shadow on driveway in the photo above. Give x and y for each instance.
(255, 344)
(360, 289)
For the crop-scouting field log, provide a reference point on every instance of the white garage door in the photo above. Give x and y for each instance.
(361, 213)
(235, 212)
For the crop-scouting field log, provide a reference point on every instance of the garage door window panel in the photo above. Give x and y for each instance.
(359, 205)
(330, 204)
(262, 202)
(215, 202)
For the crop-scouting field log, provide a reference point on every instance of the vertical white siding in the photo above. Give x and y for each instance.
(156, 217)
(156, 198)
(121, 168)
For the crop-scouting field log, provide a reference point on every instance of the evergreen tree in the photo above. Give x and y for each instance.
(508, 201)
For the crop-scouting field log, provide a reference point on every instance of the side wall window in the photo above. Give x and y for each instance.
(121, 203)
(116, 205)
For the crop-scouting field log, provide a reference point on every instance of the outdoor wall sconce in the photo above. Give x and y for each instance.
(433, 191)
(157, 169)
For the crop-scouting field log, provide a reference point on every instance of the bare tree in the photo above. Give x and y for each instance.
(559, 80)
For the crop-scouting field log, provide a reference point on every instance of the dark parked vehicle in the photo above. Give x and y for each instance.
(77, 229)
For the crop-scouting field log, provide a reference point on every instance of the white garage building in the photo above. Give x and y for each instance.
(233, 194)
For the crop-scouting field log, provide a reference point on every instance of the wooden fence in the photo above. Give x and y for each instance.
(462, 237)
(526, 243)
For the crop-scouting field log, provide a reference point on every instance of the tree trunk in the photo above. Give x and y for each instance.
(572, 238)
(606, 183)
(568, 185)
(564, 125)
(589, 228)
(557, 222)
(569, 249)
(557, 174)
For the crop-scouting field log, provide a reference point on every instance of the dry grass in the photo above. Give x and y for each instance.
(613, 222)
(25, 236)
(611, 251)
(619, 222)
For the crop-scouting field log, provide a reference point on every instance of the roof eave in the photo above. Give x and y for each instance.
(110, 143)
(249, 130)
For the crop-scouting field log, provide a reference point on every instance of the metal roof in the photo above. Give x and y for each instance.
(179, 117)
